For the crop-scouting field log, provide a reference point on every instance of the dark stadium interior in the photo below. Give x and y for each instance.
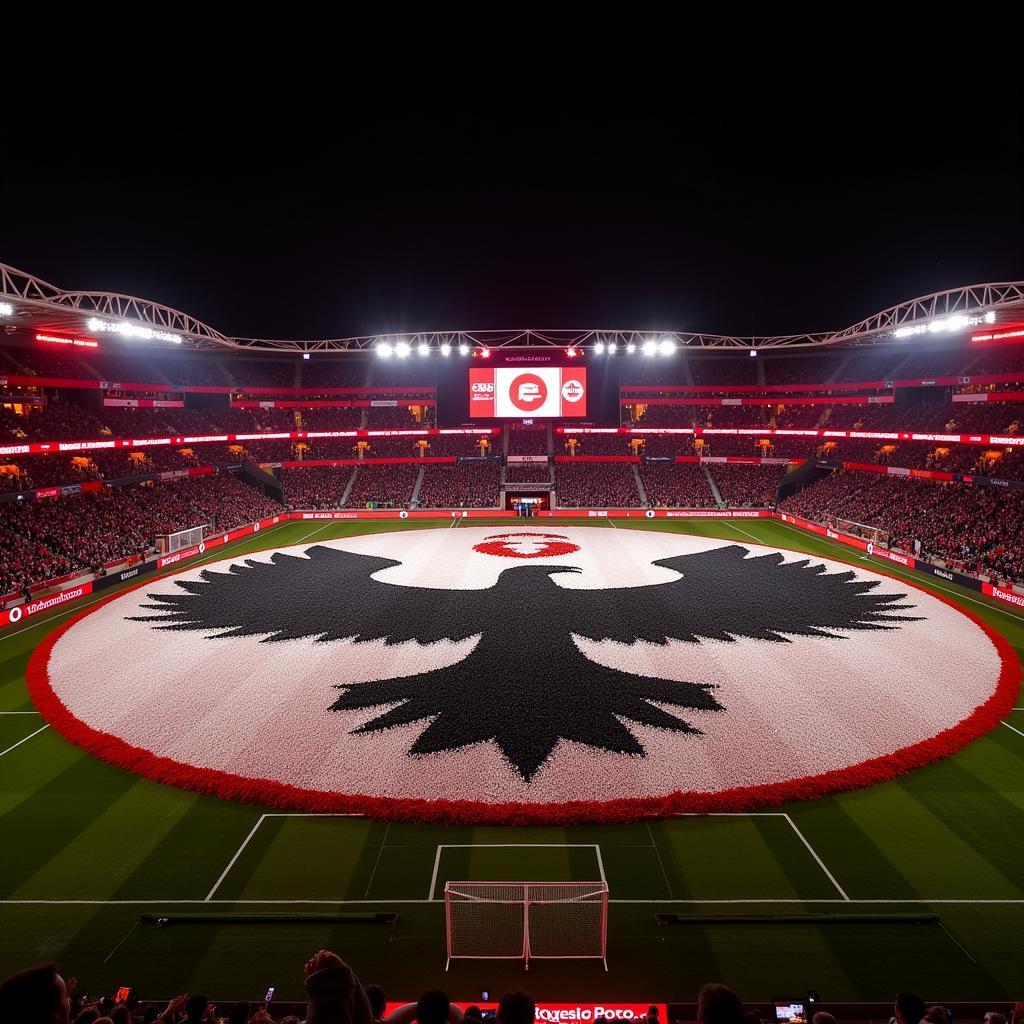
(729, 324)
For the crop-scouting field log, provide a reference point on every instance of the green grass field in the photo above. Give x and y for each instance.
(86, 849)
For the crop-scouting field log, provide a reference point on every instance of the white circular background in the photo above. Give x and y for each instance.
(261, 710)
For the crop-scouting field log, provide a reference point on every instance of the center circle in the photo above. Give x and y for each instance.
(413, 676)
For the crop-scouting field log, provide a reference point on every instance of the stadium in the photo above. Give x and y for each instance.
(627, 659)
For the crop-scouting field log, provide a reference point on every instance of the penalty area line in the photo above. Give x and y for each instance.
(14, 746)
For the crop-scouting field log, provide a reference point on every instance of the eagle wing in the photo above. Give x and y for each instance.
(329, 594)
(725, 593)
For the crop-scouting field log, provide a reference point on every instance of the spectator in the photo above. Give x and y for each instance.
(909, 1008)
(375, 994)
(718, 1004)
(36, 996)
(517, 1007)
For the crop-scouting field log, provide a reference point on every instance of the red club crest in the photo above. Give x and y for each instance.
(526, 545)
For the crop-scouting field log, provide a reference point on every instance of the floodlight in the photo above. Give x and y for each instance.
(424, 349)
(630, 348)
(446, 350)
(599, 349)
(384, 350)
(6, 309)
(463, 350)
(611, 348)
(402, 349)
(485, 353)
(650, 348)
(305, 355)
(667, 347)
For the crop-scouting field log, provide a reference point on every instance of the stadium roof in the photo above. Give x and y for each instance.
(40, 306)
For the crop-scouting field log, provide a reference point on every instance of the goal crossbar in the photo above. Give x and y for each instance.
(526, 921)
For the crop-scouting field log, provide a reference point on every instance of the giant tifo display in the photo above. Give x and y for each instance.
(597, 647)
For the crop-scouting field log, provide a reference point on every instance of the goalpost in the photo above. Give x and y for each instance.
(526, 921)
(168, 543)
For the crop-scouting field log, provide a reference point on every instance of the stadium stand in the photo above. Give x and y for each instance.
(676, 485)
(387, 486)
(978, 528)
(315, 487)
(579, 485)
(467, 484)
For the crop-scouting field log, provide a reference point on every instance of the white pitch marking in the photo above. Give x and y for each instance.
(814, 854)
(509, 846)
(36, 712)
(1011, 728)
(238, 853)
(14, 746)
(661, 863)
(248, 839)
(380, 853)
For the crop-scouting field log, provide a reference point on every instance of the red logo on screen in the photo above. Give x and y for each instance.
(572, 391)
(526, 545)
(528, 392)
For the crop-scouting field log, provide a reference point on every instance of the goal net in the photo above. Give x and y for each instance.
(168, 543)
(874, 534)
(526, 921)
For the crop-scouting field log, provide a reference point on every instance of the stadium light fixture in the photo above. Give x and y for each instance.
(305, 355)
(6, 309)
(485, 353)
(650, 348)
(402, 349)
(599, 349)
(424, 349)
(752, 353)
(463, 350)
(384, 350)
(667, 347)
(630, 348)
(957, 322)
(612, 347)
(446, 350)
(571, 352)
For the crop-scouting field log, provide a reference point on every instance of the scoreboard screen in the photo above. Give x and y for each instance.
(502, 392)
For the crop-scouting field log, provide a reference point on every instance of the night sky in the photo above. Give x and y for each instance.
(328, 208)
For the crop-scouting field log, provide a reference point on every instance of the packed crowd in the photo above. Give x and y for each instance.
(527, 472)
(467, 484)
(528, 441)
(315, 487)
(387, 485)
(977, 528)
(676, 485)
(747, 486)
(42, 540)
(334, 994)
(579, 485)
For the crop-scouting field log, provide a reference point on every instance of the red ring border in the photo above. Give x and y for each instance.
(283, 796)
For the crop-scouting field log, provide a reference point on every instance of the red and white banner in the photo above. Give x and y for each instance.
(569, 1013)
(43, 604)
(527, 458)
(511, 393)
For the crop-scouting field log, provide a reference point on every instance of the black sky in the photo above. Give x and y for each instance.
(301, 208)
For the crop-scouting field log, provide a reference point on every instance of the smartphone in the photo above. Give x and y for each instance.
(122, 994)
(269, 995)
(790, 1012)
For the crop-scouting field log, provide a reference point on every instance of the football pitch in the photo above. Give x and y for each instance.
(916, 883)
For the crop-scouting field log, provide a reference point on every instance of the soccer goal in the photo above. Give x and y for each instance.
(526, 921)
(168, 543)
